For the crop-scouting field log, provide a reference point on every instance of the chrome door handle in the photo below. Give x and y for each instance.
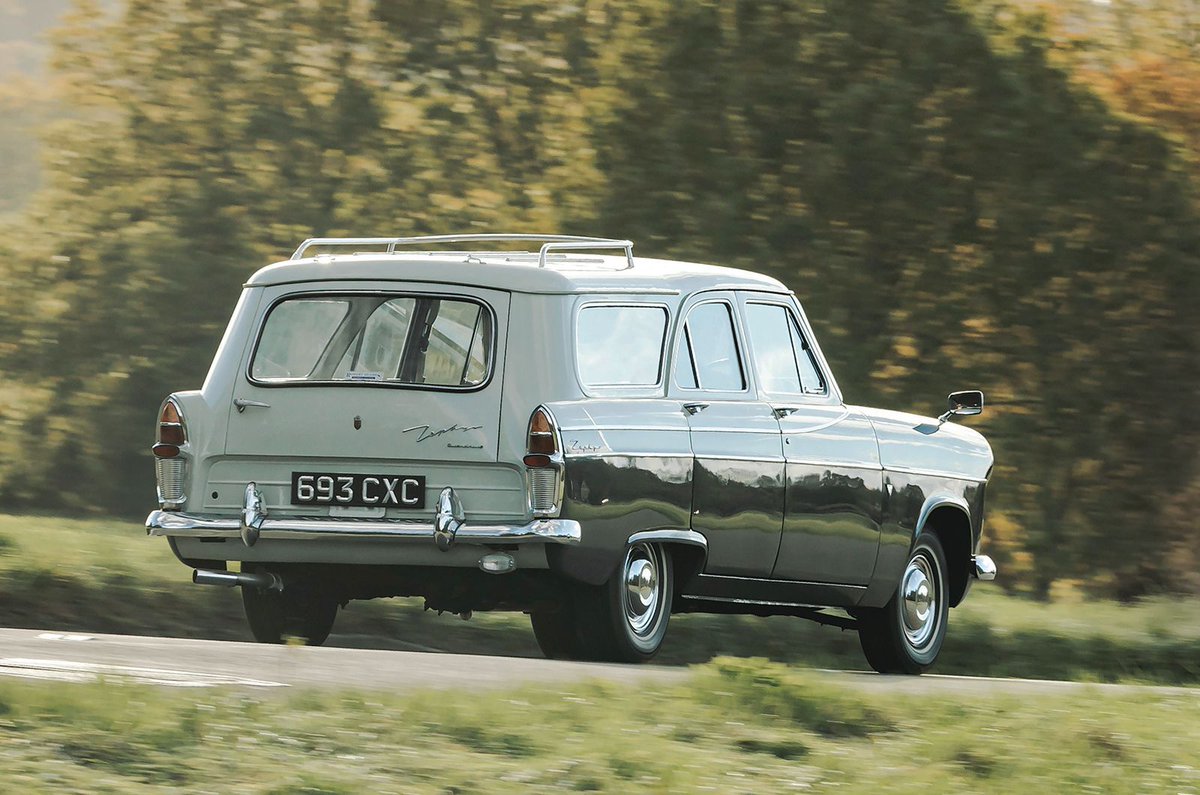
(242, 403)
(694, 408)
(784, 411)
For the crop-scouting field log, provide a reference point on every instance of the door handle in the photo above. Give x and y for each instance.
(242, 403)
(694, 408)
(784, 411)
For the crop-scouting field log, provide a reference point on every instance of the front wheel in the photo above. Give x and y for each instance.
(906, 634)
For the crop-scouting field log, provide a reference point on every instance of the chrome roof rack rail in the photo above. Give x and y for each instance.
(549, 243)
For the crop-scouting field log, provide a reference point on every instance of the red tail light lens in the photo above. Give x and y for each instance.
(170, 426)
(542, 439)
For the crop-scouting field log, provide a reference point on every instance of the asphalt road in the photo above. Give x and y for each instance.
(177, 662)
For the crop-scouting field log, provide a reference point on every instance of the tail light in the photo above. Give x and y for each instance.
(169, 467)
(544, 465)
(171, 433)
(542, 438)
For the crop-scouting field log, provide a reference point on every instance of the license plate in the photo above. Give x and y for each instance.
(362, 491)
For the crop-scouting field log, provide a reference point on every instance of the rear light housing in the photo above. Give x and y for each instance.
(543, 465)
(170, 467)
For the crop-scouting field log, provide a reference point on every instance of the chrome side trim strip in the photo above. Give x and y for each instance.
(832, 464)
(928, 474)
(613, 454)
(172, 523)
(730, 600)
(765, 581)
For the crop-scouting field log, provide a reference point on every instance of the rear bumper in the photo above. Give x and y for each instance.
(445, 528)
(186, 525)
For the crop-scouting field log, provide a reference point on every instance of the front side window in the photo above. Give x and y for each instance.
(708, 354)
(620, 345)
(783, 360)
(416, 340)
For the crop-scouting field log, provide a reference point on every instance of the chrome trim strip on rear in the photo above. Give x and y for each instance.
(172, 523)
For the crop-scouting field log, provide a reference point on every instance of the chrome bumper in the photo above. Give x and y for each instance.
(446, 527)
(985, 568)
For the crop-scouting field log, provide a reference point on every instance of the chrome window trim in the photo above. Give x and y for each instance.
(334, 293)
(747, 390)
(824, 397)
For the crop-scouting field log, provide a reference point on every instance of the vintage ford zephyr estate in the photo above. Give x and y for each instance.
(596, 439)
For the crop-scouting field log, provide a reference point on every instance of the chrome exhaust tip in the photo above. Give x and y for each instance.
(264, 581)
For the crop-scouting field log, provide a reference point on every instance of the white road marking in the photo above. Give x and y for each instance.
(57, 636)
(71, 671)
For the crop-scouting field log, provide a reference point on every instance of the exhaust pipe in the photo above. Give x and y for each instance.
(262, 580)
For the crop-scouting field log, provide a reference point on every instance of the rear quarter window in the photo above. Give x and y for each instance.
(620, 345)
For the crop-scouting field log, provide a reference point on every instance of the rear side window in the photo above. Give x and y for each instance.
(708, 353)
(620, 345)
(412, 340)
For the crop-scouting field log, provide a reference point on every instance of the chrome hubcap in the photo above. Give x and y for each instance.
(919, 607)
(642, 595)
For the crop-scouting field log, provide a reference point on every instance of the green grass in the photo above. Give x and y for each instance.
(107, 576)
(737, 726)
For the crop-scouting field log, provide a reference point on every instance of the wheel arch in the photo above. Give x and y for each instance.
(688, 550)
(949, 519)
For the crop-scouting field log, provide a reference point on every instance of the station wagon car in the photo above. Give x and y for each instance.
(592, 438)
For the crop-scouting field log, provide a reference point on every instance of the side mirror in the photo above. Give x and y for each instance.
(963, 404)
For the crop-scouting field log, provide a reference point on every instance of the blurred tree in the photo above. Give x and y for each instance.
(957, 212)
(952, 204)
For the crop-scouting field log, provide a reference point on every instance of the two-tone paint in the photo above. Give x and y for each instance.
(767, 502)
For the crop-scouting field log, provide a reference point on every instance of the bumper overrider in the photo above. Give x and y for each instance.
(447, 526)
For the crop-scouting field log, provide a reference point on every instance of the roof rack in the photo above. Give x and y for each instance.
(549, 243)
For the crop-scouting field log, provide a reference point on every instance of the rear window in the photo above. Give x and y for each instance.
(412, 340)
(620, 345)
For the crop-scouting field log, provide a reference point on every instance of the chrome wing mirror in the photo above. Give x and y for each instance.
(963, 404)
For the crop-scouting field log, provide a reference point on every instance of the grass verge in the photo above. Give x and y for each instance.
(107, 576)
(738, 726)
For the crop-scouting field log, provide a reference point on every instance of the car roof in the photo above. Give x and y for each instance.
(519, 272)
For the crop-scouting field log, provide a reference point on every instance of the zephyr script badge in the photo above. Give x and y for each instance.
(425, 433)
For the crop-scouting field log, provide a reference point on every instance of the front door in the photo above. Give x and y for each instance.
(834, 478)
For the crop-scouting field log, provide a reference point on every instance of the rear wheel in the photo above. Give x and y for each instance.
(295, 612)
(906, 634)
(554, 630)
(624, 620)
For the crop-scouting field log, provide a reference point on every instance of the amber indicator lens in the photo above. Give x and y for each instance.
(537, 460)
(165, 450)
(541, 434)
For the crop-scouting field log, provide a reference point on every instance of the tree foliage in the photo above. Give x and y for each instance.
(954, 205)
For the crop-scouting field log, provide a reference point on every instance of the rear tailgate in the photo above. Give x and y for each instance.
(362, 394)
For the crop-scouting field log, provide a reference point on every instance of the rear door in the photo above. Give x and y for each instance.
(399, 380)
(738, 496)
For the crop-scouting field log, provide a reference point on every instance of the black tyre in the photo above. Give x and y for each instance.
(555, 632)
(625, 620)
(906, 634)
(295, 612)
